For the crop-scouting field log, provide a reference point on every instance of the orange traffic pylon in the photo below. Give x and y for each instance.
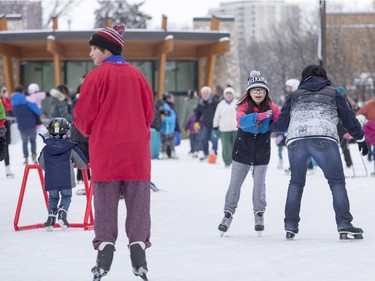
(212, 158)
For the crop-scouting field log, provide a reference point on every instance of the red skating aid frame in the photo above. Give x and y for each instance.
(88, 220)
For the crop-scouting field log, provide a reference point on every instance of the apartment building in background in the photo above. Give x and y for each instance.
(254, 20)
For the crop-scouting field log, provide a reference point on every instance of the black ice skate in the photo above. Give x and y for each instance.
(103, 260)
(225, 223)
(350, 233)
(62, 218)
(291, 233)
(259, 222)
(138, 259)
(50, 223)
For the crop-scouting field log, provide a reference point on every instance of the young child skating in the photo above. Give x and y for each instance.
(251, 150)
(57, 158)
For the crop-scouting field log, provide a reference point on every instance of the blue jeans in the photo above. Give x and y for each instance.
(327, 155)
(207, 135)
(26, 135)
(54, 198)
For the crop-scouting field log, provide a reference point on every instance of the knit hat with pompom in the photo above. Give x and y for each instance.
(110, 38)
(255, 80)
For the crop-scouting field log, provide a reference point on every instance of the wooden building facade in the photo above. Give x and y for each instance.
(56, 50)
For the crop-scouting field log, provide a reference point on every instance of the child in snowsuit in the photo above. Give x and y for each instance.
(251, 150)
(57, 158)
(194, 136)
(168, 125)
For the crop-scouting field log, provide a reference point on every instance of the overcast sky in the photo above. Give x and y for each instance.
(180, 13)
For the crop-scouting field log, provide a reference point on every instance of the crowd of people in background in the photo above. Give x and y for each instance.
(204, 118)
(313, 121)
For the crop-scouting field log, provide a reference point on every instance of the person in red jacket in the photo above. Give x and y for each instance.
(2, 132)
(115, 110)
(368, 110)
(8, 112)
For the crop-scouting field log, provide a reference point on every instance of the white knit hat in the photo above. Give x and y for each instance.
(33, 88)
(292, 83)
(228, 90)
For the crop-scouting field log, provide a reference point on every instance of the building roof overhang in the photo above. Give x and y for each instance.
(139, 44)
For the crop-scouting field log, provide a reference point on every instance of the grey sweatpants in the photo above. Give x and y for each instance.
(137, 200)
(239, 173)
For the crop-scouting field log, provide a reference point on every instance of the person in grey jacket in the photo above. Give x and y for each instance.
(310, 116)
(61, 103)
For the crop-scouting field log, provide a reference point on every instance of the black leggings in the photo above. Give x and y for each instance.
(7, 140)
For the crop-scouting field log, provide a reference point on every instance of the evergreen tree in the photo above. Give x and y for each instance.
(121, 11)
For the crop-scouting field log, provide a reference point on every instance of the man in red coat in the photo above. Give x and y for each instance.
(115, 109)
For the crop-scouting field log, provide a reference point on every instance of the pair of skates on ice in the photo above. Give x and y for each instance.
(105, 257)
(227, 220)
(350, 233)
(61, 215)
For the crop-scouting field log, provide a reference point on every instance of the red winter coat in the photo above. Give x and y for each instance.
(115, 109)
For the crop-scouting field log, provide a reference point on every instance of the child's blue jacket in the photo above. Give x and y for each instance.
(57, 158)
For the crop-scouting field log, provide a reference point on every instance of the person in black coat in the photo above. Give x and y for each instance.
(206, 107)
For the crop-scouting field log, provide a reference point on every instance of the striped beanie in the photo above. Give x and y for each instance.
(255, 80)
(110, 38)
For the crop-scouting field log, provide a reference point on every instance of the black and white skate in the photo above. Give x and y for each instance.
(225, 223)
(98, 273)
(141, 272)
(62, 218)
(290, 234)
(138, 259)
(81, 191)
(351, 233)
(259, 229)
(50, 223)
(103, 261)
(259, 222)
(153, 187)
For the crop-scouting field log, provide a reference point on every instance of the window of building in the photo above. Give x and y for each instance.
(42, 73)
(146, 67)
(74, 70)
(180, 76)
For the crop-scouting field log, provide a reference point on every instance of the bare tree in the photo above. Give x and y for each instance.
(292, 46)
(50, 8)
(57, 8)
(351, 59)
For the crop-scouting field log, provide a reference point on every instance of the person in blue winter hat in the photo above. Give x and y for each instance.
(57, 158)
(310, 116)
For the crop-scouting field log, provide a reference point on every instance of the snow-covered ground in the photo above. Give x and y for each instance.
(186, 243)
